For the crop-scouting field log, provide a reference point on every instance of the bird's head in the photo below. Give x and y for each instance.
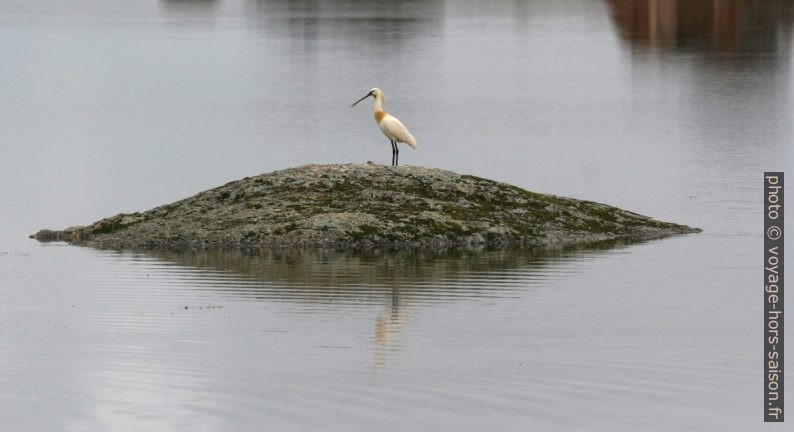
(375, 92)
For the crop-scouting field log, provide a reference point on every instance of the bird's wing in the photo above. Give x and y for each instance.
(396, 129)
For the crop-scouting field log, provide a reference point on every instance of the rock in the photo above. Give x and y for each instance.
(365, 206)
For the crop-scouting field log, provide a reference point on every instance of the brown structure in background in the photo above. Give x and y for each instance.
(717, 25)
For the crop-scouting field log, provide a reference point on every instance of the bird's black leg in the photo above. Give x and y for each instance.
(393, 152)
(396, 155)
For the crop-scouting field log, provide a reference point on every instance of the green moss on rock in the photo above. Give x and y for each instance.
(365, 206)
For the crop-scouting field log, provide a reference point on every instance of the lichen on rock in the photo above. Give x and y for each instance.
(365, 206)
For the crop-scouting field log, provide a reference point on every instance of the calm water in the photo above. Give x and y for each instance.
(667, 108)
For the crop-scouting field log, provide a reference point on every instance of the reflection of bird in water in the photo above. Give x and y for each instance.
(394, 130)
(388, 327)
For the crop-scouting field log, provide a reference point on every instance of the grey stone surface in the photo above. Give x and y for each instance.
(365, 206)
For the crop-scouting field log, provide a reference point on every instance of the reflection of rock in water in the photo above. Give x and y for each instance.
(399, 281)
(353, 275)
(710, 25)
(308, 275)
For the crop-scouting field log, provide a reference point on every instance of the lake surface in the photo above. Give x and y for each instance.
(668, 108)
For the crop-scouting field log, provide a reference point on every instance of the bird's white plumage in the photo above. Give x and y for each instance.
(395, 130)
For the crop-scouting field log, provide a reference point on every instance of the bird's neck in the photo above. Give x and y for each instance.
(378, 104)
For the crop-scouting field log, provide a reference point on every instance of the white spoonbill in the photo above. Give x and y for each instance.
(394, 130)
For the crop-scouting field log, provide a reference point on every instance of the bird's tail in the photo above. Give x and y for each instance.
(410, 140)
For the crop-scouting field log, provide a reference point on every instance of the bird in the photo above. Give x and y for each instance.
(394, 130)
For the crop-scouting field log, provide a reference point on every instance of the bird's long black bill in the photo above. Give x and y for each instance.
(354, 104)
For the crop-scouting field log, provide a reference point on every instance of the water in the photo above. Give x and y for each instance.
(667, 108)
